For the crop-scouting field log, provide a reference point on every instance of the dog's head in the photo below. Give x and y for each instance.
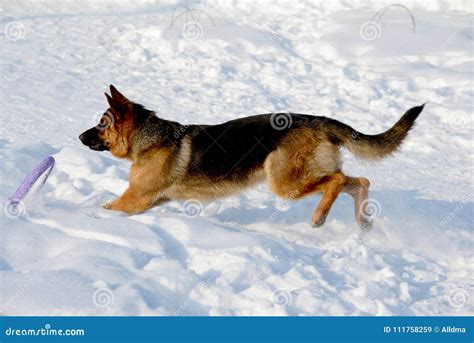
(117, 125)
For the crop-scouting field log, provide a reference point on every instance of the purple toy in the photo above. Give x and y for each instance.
(45, 167)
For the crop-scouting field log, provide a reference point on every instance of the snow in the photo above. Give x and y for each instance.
(250, 254)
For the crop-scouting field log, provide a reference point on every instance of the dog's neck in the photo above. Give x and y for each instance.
(154, 132)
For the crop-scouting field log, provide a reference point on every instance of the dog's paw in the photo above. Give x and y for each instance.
(366, 224)
(107, 205)
(319, 222)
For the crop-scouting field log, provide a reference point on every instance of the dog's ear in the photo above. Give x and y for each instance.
(116, 95)
(112, 102)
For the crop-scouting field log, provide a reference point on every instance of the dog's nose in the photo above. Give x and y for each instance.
(81, 137)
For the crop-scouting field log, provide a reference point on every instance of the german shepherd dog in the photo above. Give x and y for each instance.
(298, 155)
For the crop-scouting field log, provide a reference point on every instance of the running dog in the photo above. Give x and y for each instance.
(297, 154)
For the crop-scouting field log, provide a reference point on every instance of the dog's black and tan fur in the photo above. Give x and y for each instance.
(174, 161)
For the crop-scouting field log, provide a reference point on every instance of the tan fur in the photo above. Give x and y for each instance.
(117, 137)
(307, 163)
(202, 188)
(358, 189)
(331, 186)
(148, 177)
(296, 167)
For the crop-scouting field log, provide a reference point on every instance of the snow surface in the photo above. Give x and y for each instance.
(250, 254)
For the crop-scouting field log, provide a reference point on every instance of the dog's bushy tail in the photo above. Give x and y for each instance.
(372, 147)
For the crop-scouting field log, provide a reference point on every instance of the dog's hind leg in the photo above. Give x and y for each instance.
(303, 165)
(358, 189)
(331, 186)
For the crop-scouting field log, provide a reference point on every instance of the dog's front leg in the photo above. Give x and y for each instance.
(133, 201)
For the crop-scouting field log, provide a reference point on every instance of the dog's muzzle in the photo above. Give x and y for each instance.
(91, 139)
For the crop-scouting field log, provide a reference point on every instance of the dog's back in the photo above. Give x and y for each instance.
(238, 147)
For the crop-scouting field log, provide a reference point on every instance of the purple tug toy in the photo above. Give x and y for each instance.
(44, 168)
